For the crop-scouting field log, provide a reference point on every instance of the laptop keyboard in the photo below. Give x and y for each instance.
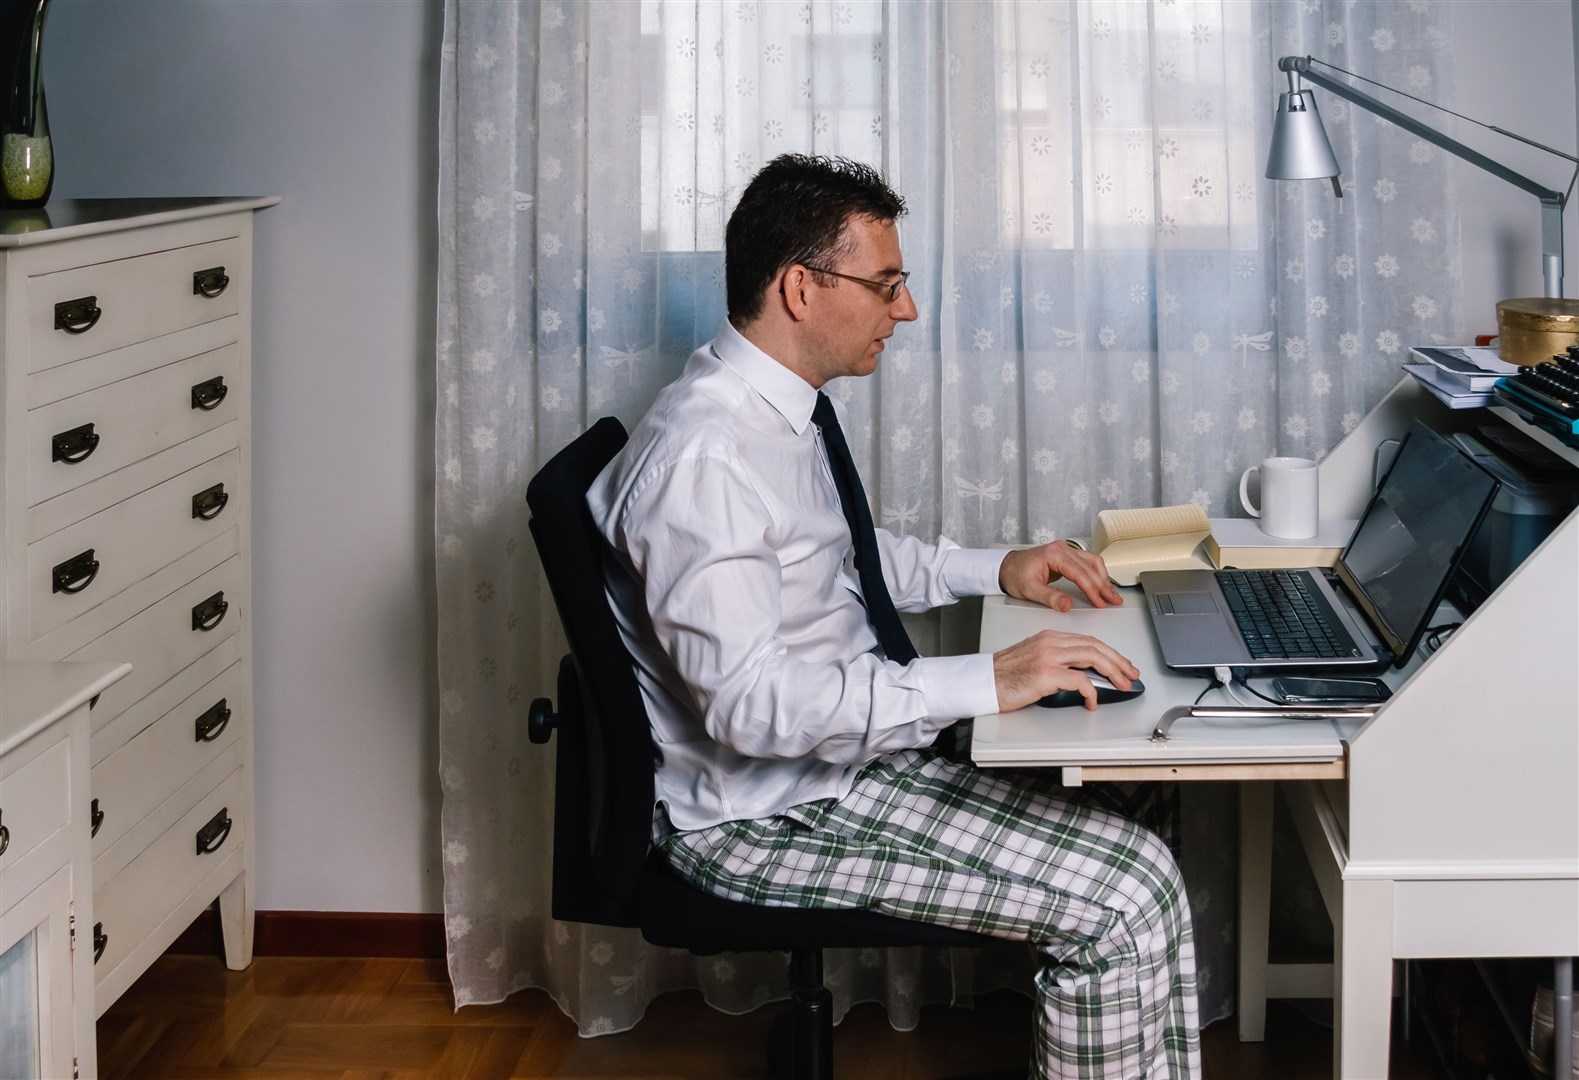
(1280, 616)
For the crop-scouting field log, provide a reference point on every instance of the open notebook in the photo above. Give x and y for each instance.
(1151, 538)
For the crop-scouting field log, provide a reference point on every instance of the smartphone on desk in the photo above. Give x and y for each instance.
(1295, 690)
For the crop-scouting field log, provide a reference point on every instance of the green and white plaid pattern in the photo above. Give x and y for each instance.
(1005, 854)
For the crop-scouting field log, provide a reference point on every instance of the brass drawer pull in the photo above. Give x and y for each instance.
(77, 316)
(96, 816)
(210, 613)
(208, 394)
(76, 573)
(212, 722)
(208, 503)
(75, 445)
(211, 836)
(100, 940)
(209, 283)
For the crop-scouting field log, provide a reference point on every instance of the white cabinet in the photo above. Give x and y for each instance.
(46, 909)
(124, 537)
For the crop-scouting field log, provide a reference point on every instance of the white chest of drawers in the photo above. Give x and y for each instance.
(124, 536)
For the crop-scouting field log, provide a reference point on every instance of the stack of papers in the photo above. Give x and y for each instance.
(1461, 377)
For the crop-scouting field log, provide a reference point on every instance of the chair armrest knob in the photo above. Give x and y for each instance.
(541, 720)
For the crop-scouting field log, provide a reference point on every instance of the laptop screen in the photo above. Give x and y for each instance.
(1411, 536)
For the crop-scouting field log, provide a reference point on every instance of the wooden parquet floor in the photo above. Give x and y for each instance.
(289, 1018)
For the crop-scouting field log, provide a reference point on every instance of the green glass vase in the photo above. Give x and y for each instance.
(27, 157)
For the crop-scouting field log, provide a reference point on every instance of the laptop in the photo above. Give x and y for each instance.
(1371, 609)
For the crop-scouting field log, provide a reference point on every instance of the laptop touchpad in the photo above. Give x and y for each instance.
(1188, 603)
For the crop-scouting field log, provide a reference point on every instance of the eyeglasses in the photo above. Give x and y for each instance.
(893, 287)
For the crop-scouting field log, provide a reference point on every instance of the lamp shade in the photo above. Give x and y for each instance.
(1300, 150)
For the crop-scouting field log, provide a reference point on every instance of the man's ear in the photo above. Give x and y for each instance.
(793, 287)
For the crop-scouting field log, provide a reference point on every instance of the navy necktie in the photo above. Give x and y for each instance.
(868, 561)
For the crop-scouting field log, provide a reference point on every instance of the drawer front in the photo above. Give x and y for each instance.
(130, 419)
(78, 377)
(150, 768)
(136, 299)
(35, 803)
(132, 903)
(161, 640)
(135, 718)
(85, 564)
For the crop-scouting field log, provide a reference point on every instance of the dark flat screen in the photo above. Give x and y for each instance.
(1413, 533)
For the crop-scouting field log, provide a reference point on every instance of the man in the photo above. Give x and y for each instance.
(791, 714)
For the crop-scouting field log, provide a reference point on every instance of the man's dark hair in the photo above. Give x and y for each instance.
(795, 211)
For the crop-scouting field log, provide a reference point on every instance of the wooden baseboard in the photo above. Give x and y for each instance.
(325, 933)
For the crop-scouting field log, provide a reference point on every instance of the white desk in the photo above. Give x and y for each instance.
(1445, 826)
(1114, 742)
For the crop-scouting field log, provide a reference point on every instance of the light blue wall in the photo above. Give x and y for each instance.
(331, 105)
(1514, 67)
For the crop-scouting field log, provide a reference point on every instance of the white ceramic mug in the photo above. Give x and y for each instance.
(1288, 497)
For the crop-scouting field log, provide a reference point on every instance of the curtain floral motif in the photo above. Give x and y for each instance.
(1115, 310)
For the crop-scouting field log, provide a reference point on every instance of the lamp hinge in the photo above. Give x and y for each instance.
(72, 923)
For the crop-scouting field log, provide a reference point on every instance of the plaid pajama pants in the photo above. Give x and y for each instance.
(1008, 855)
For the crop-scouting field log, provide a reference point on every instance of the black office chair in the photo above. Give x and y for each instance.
(604, 870)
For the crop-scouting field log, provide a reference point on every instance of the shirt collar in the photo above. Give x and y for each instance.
(791, 395)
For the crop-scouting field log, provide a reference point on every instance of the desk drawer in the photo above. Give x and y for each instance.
(127, 541)
(130, 420)
(136, 298)
(160, 640)
(35, 803)
(155, 764)
(132, 903)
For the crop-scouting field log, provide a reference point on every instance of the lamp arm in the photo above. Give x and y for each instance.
(1552, 202)
(1302, 66)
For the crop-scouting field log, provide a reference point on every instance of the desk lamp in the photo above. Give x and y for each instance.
(1300, 150)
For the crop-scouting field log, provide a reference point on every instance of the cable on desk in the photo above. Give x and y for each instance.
(1436, 635)
(1230, 690)
(1264, 697)
(1226, 677)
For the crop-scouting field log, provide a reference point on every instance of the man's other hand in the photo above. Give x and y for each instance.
(1028, 574)
(1049, 661)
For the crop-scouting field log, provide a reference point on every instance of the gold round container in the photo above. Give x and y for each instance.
(1533, 329)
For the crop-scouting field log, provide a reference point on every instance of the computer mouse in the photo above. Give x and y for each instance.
(1106, 692)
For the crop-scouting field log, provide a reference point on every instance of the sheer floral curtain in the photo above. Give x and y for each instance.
(1115, 310)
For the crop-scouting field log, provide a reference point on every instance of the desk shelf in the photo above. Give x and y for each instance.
(1540, 435)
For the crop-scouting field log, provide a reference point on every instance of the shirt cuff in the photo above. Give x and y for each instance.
(973, 571)
(958, 687)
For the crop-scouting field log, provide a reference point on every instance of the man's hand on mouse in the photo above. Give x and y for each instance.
(1050, 661)
(1028, 574)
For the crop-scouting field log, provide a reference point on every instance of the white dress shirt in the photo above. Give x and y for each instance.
(736, 591)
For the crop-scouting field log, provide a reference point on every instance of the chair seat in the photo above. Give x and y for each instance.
(679, 915)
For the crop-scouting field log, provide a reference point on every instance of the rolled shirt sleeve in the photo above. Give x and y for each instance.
(922, 576)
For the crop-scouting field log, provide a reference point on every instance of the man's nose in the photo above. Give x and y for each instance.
(903, 309)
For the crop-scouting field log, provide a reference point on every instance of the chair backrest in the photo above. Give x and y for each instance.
(604, 761)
